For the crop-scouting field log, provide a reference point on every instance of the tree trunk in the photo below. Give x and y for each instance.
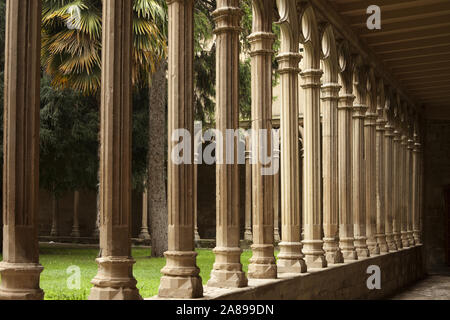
(157, 194)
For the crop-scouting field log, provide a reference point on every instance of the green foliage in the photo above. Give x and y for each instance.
(245, 90)
(72, 61)
(141, 101)
(68, 140)
(72, 57)
(205, 62)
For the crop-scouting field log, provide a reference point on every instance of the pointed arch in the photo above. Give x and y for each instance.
(330, 56)
(309, 37)
(345, 63)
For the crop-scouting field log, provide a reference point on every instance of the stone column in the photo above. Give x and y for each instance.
(409, 212)
(404, 172)
(76, 205)
(20, 269)
(389, 185)
(396, 223)
(313, 243)
(54, 231)
(380, 179)
(358, 174)
(330, 97)
(346, 230)
(227, 270)
(262, 264)
(421, 191)
(248, 235)
(114, 280)
(144, 234)
(181, 275)
(290, 258)
(370, 157)
(198, 148)
(195, 196)
(416, 191)
(96, 231)
(276, 199)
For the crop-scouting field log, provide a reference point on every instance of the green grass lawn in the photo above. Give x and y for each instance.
(56, 260)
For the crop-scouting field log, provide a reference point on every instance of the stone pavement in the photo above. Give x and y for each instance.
(435, 287)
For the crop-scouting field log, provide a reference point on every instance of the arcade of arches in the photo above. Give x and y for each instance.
(353, 111)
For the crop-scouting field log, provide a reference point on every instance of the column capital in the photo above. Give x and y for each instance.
(404, 140)
(359, 111)
(417, 147)
(288, 62)
(330, 91)
(227, 19)
(346, 101)
(261, 43)
(397, 135)
(311, 78)
(381, 124)
(370, 119)
(410, 144)
(389, 130)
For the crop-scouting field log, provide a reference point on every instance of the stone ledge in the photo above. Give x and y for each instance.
(341, 281)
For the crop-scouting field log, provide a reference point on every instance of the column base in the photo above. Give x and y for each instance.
(412, 242)
(391, 242)
(227, 270)
(373, 246)
(180, 278)
(114, 280)
(314, 254)
(350, 255)
(197, 236)
(20, 281)
(404, 239)
(316, 261)
(398, 240)
(348, 249)
(180, 287)
(290, 258)
(248, 236)
(382, 243)
(144, 235)
(75, 232)
(276, 235)
(361, 247)
(392, 246)
(53, 233)
(262, 263)
(417, 237)
(333, 253)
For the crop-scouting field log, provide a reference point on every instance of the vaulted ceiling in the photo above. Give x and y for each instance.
(413, 44)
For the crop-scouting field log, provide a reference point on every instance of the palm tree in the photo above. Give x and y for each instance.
(71, 47)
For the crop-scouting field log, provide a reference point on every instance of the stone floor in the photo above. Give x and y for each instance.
(436, 286)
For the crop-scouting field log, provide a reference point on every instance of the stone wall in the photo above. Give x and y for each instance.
(207, 200)
(437, 177)
(342, 281)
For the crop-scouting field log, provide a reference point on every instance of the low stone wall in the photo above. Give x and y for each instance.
(343, 281)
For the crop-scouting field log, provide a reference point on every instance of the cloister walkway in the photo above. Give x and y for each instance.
(434, 287)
